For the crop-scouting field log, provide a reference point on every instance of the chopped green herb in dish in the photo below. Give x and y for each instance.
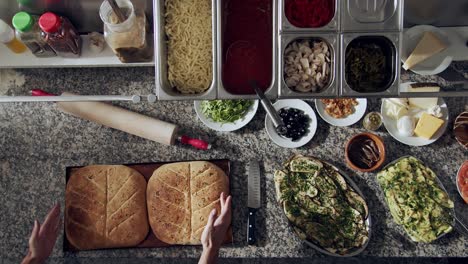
(415, 199)
(225, 111)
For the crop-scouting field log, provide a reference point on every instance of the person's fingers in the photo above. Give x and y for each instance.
(224, 203)
(222, 199)
(226, 214)
(52, 219)
(211, 218)
(34, 233)
(227, 205)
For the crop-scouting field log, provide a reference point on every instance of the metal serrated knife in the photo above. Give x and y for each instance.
(253, 200)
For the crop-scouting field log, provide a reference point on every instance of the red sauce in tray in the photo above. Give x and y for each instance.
(309, 13)
(462, 181)
(247, 45)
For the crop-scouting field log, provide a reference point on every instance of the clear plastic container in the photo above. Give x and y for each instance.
(7, 37)
(28, 32)
(129, 40)
(61, 35)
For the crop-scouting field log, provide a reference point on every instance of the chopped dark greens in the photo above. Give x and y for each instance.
(225, 111)
(368, 64)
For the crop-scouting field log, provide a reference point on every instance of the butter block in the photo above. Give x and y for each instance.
(428, 125)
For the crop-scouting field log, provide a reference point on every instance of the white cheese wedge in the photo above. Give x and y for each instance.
(423, 103)
(428, 46)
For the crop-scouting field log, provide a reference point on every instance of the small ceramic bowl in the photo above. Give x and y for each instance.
(460, 129)
(380, 145)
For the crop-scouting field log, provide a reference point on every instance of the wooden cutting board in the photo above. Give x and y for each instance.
(147, 169)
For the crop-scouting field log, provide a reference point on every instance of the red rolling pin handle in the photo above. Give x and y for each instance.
(196, 143)
(39, 92)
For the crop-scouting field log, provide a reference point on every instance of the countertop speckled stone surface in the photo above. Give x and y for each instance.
(38, 142)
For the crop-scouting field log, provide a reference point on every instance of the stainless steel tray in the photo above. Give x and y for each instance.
(371, 15)
(393, 87)
(456, 223)
(272, 91)
(286, 26)
(332, 89)
(368, 221)
(164, 90)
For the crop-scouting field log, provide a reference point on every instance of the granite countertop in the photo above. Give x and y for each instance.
(38, 142)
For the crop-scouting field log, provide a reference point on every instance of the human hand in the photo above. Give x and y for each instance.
(43, 237)
(215, 230)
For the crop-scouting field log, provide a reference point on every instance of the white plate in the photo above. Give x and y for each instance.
(359, 112)
(391, 126)
(286, 142)
(434, 65)
(227, 126)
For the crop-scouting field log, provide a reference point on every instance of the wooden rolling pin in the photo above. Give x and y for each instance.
(125, 120)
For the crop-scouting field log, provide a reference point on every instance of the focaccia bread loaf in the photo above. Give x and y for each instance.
(180, 198)
(105, 207)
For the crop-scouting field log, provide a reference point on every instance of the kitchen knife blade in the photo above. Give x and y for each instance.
(253, 200)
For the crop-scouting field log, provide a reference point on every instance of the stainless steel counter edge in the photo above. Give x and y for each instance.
(77, 98)
(272, 91)
(163, 89)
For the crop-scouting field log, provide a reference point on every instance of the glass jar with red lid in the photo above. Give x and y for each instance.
(61, 35)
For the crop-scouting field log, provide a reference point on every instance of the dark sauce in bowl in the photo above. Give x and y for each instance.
(364, 152)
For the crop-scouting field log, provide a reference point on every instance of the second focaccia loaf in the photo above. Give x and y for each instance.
(180, 198)
(105, 207)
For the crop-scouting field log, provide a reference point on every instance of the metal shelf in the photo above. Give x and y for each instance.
(88, 59)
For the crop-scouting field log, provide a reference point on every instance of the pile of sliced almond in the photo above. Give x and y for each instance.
(307, 65)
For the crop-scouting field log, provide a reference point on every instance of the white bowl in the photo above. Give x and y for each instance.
(359, 112)
(287, 142)
(433, 65)
(226, 127)
(391, 126)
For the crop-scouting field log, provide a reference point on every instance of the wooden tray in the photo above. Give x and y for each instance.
(147, 169)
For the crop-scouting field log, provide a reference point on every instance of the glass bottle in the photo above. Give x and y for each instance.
(7, 37)
(61, 35)
(129, 39)
(28, 32)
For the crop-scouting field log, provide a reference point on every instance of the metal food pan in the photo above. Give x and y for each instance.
(164, 90)
(368, 221)
(332, 89)
(371, 15)
(286, 26)
(272, 91)
(457, 224)
(392, 89)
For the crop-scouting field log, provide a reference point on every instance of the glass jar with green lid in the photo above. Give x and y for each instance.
(28, 32)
